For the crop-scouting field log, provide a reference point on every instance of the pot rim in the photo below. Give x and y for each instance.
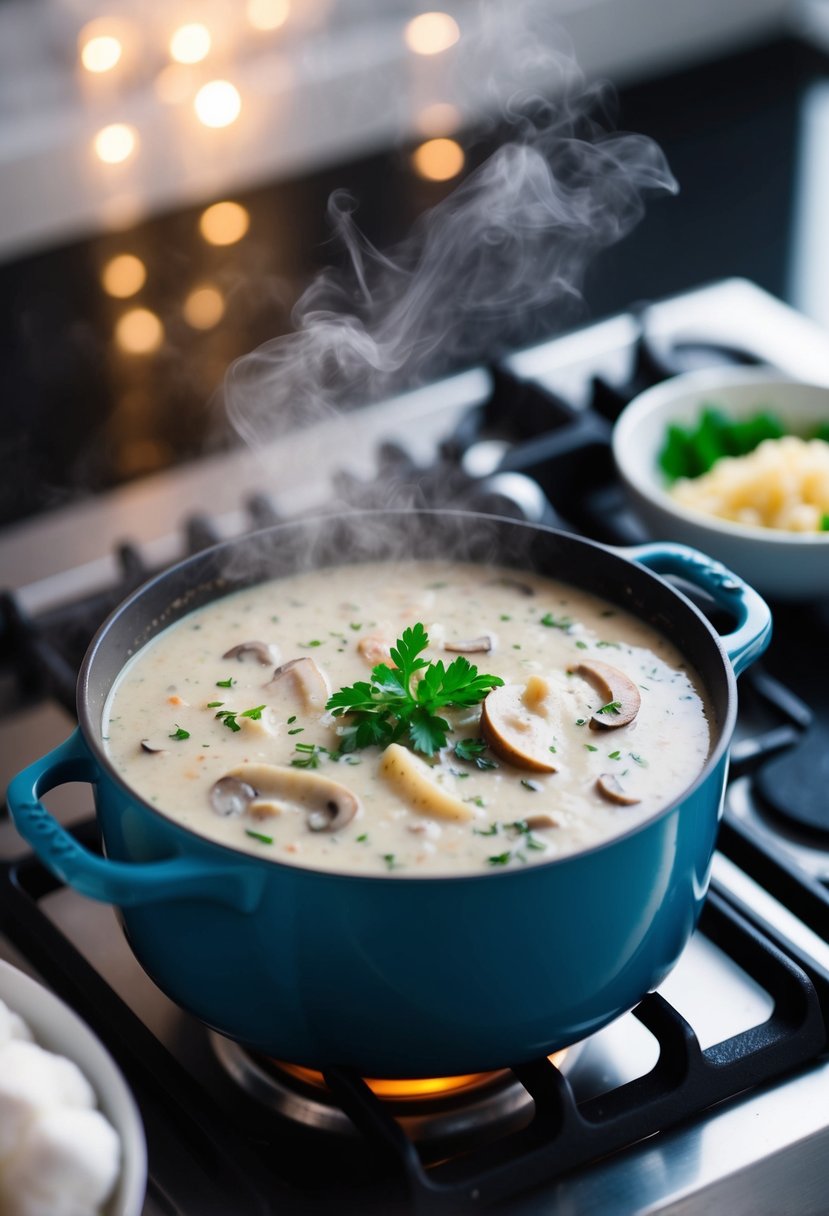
(92, 734)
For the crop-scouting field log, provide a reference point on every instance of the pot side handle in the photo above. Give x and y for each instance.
(127, 884)
(752, 632)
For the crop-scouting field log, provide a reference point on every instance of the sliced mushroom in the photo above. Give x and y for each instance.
(262, 652)
(516, 723)
(231, 796)
(413, 780)
(536, 822)
(305, 677)
(481, 645)
(328, 805)
(615, 688)
(374, 649)
(152, 747)
(609, 788)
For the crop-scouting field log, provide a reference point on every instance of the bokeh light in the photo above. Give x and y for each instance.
(204, 307)
(139, 332)
(123, 276)
(115, 143)
(431, 33)
(190, 43)
(268, 14)
(438, 160)
(439, 118)
(224, 223)
(100, 53)
(218, 103)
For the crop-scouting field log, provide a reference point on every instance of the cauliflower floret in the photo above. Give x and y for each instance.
(66, 1165)
(32, 1080)
(12, 1026)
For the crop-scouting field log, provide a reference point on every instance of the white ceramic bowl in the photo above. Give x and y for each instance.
(56, 1028)
(782, 565)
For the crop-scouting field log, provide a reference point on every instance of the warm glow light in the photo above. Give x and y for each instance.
(173, 84)
(430, 33)
(139, 332)
(218, 103)
(439, 118)
(123, 276)
(100, 54)
(438, 159)
(204, 307)
(115, 143)
(268, 14)
(190, 43)
(224, 223)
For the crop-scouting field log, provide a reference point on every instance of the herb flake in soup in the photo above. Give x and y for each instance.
(442, 718)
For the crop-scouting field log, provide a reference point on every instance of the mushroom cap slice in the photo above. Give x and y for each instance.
(609, 788)
(413, 780)
(306, 679)
(262, 652)
(481, 645)
(231, 796)
(615, 689)
(517, 723)
(328, 805)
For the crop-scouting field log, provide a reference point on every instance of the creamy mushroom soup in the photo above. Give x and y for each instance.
(414, 718)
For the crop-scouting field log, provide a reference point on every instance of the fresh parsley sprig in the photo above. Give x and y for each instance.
(391, 706)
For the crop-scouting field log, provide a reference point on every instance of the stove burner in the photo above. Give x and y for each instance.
(794, 784)
(449, 1113)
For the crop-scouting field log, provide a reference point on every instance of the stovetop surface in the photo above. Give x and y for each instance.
(753, 984)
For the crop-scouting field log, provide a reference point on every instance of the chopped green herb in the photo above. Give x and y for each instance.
(473, 751)
(254, 714)
(292, 719)
(387, 708)
(590, 747)
(477, 800)
(297, 730)
(258, 836)
(505, 616)
(214, 704)
(355, 625)
(552, 622)
(581, 645)
(362, 838)
(311, 755)
(552, 749)
(612, 707)
(638, 760)
(530, 785)
(179, 733)
(228, 683)
(614, 755)
(580, 721)
(310, 645)
(500, 859)
(228, 718)
(492, 830)
(605, 645)
(692, 451)
(391, 862)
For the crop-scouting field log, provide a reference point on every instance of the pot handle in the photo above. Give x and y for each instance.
(752, 633)
(127, 884)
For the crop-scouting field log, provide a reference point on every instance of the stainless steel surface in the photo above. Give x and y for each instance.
(763, 1154)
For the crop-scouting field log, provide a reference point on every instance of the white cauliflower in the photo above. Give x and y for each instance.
(58, 1155)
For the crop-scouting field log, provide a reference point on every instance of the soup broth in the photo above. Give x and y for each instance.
(595, 722)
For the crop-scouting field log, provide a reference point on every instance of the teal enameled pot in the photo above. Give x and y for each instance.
(392, 975)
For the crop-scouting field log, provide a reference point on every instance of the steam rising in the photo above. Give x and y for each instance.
(504, 254)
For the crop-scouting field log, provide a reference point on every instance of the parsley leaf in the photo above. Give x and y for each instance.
(179, 733)
(473, 750)
(389, 707)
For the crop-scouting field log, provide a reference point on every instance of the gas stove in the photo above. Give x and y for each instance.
(710, 1096)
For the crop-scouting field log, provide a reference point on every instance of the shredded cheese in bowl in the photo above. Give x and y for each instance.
(782, 484)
